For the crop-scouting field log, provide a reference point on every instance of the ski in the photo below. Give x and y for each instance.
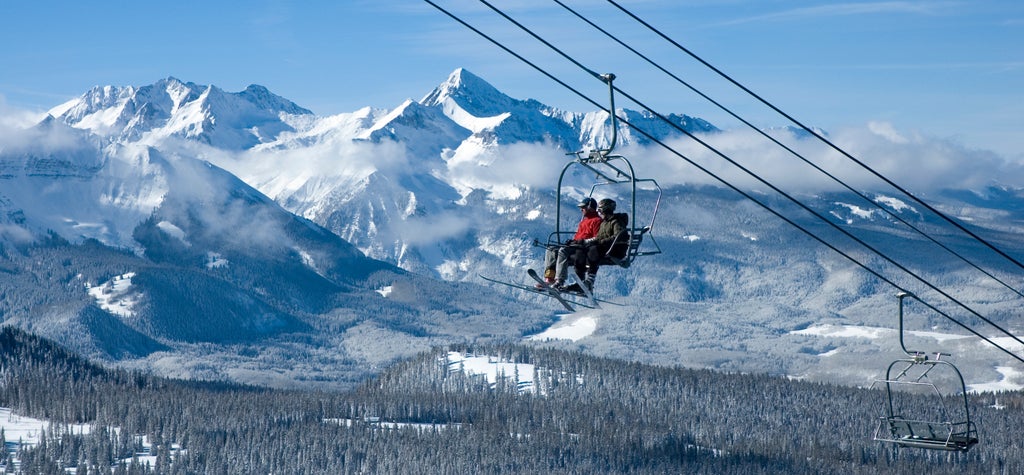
(594, 301)
(553, 292)
(586, 291)
(529, 288)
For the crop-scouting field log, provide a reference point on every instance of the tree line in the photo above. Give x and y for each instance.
(588, 415)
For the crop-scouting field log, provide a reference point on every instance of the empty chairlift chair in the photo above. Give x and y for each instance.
(917, 413)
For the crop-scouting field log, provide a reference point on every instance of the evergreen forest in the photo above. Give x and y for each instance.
(582, 415)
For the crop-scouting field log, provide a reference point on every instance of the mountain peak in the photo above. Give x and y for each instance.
(171, 107)
(471, 93)
(262, 98)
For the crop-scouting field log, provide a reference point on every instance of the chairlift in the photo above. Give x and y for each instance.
(614, 176)
(954, 431)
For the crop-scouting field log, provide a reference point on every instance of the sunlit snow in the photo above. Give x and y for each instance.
(27, 430)
(862, 331)
(20, 431)
(1011, 381)
(1010, 343)
(574, 327)
(844, 331)
(857, 211)
(115, 295)
(894, 203)
(493, 368)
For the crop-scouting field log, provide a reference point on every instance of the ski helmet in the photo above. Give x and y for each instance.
(606, 206)
(587, 203)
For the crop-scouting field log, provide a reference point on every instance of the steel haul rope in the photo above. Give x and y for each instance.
(736, 188)
(835, 147)
(796, 154)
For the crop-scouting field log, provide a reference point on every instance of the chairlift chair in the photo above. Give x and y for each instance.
(615, 172)
(950, 433)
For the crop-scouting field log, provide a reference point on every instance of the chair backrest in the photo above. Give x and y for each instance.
(625, 248)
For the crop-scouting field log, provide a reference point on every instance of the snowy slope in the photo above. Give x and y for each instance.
(198, 185)
(172, 108)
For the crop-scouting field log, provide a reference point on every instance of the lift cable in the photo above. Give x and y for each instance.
(821, 138)
(755, 200)
(754, 175)
(791, 151)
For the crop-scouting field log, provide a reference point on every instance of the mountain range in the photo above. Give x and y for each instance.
(194, 232)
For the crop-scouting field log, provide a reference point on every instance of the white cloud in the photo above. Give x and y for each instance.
(915, 162)
(420, 230)
(15, 119)
(502, 170)
(887, 131)
(15, 233)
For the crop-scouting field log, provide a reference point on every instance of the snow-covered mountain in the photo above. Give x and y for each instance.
(132, 252)
(238, 232)
(171, 108)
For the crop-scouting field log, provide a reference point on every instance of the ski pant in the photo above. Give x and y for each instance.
(557, 261)
(588, 258)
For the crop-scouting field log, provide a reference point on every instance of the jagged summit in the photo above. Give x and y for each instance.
(472, 94)
(262, 98)
(494, 117)
(173, 108)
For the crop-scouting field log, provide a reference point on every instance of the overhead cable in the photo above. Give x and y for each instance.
(757, 177)
(748, 195)
(824, 140)
(725, 109)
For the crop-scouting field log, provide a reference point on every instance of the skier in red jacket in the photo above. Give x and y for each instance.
(556, 258)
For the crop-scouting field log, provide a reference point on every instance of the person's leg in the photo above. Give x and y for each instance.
(594, 255)
(579, 263)
(550, 258)
(565, 259)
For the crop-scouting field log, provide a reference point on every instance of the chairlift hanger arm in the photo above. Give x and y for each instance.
(602, 154)
(916, 355)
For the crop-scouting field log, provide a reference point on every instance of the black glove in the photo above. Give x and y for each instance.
(570, 242)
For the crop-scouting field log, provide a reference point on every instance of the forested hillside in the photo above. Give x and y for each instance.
(427, 415)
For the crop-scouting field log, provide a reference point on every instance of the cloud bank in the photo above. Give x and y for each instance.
(914, 161)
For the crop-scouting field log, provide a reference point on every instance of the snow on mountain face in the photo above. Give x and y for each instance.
(491, 115)
(495, 118)
(171, 108)
(424, 131)
(467, 98)
(427, 186)
(81, 190)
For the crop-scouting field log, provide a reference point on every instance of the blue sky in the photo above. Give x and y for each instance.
(953, 70)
